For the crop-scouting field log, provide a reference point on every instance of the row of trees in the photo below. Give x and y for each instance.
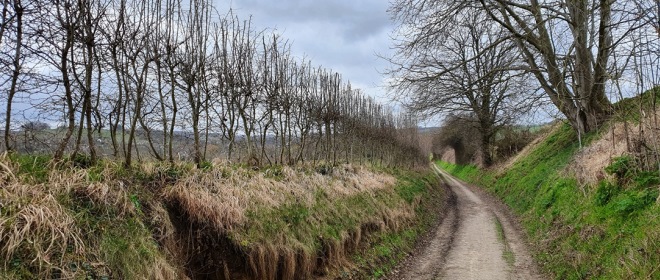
(496, 59)
(150, 71)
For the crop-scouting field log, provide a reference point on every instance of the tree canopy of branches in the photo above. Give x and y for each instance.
(136, 79)
(567, 45)
(470, 70)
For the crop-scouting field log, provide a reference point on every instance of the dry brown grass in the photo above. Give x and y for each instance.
(39, 223)
(226, 199)
(221, 197)
(621, 138)
(589, 163)
(111, 195)
(5, 171)
(42, 236)
(33, 224)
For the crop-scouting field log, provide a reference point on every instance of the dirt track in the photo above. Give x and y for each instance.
(469, 244)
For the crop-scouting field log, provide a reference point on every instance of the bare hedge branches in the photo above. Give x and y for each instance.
(172, 79)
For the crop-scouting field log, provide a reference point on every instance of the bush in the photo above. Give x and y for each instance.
(512, 140)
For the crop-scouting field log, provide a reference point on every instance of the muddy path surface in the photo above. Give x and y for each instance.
(477, 239)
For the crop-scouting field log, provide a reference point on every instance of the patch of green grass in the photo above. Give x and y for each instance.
(507, 254)
(274, 172)
(33, 169)
(123, 244)
(413, 187)
(128, 248)
(389, 248)
(628, 109)
(608, 231)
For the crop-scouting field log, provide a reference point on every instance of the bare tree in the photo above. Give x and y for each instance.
(567, 44)
(471, 71)
(193, 66)
(60, 37)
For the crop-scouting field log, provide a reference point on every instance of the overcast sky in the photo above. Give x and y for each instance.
(343, 35)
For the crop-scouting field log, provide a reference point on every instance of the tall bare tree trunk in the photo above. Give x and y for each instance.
(16, 63)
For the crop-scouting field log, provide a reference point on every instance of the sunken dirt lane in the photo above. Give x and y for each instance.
(477, 239)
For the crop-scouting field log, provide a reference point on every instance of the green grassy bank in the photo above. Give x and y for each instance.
(608, 230)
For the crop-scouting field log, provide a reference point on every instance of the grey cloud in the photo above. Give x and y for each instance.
(356, 19)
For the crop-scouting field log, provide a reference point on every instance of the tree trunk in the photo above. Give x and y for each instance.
(18, 9)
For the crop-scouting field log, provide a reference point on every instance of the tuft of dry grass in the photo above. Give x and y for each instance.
(588, 164)
(111, 195)
(54, 230)
(5, 171)
(33, 224)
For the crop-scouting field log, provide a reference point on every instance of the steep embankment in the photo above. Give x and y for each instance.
(608, 228)
(158, 221)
